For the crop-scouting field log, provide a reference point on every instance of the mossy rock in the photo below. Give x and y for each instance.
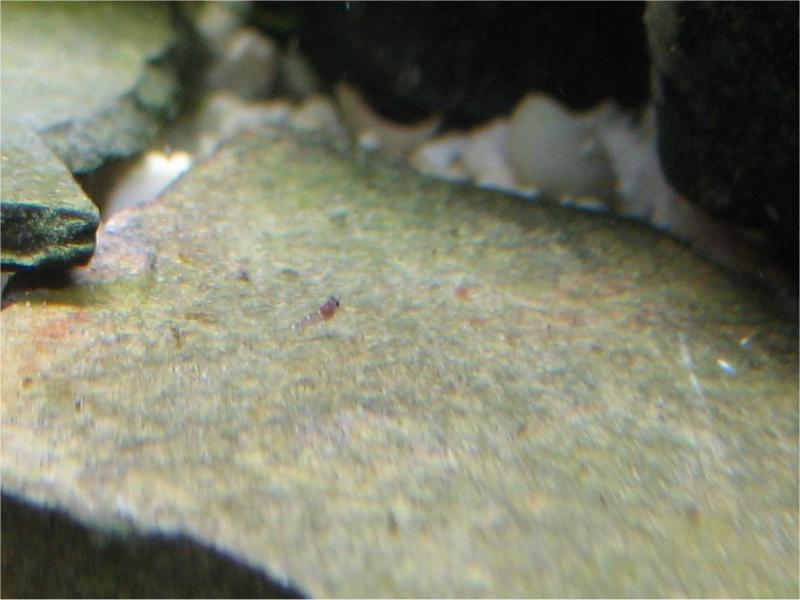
(93, 81)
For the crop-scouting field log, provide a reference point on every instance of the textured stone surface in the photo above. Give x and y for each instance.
(81, 83)
(46, 219)
(511, 400)
(89, 75)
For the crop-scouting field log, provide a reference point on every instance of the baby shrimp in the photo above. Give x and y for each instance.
(323, 313)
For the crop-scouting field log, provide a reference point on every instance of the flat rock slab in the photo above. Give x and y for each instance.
(82, 83)
(46, 219)
(512, 399)
(89, 76)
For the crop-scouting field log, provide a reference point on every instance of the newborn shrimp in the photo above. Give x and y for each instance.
(325, 312)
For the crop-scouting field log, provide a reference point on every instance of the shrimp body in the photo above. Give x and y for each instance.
(327, 310)
(323, 313)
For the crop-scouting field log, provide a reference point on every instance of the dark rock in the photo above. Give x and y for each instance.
(82, 83)
(46, 219)
(46, 554)
(97, 80)
(725, 77)
(476, 60)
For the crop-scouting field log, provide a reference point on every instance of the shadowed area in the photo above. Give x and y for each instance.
(46, 554)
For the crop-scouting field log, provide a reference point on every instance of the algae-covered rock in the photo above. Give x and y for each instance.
(95, 82)
(46, 219)
(511, 400)
(92, 77)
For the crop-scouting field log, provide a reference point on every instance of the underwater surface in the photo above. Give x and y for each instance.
(308, 369)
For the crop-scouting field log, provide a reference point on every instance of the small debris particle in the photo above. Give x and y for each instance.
(693, 514)
(339, 217)
(391, 522)
(727, 367)
(746, 342)
(177, 336)
(462, 292)
(477, 322)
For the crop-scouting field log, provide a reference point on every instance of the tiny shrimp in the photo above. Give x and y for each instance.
(323, 313)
